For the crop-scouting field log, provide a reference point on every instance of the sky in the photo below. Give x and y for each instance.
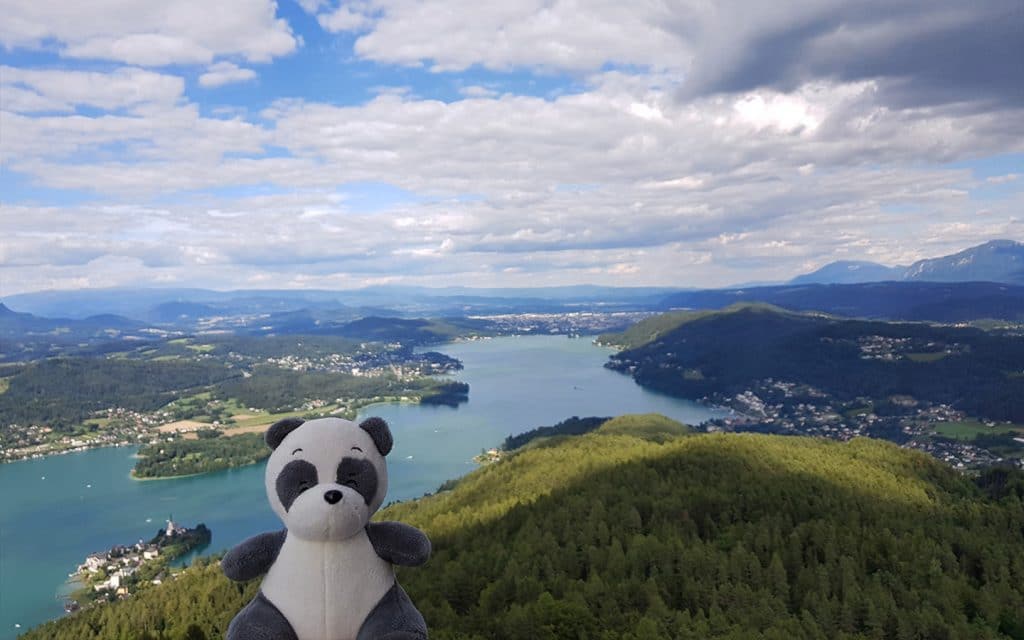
(241, 144)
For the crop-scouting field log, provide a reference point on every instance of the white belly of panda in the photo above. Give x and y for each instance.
(326, 589)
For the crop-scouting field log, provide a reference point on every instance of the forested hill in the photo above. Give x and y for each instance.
(609, 535)
(723, 353)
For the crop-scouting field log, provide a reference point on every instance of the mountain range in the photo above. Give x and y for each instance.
(994, 261)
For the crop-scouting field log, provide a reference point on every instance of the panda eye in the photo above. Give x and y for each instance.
(351, 482)
(296, 451)
(304, 485)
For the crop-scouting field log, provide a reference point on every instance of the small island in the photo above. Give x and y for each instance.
(123, 570)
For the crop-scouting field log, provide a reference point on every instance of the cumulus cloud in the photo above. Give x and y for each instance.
(922, 51)
(223, 73)
(32, 90)
(344, 18)
(563, 34)
(142, 32)
(695, 159)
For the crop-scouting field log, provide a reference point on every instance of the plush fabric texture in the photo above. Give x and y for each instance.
(381, 434)
(394, 618)
(329, 574)
(253, 557)
(277, 431)
(399, 543)
(359, 475)
(296, 477)
(260, 620)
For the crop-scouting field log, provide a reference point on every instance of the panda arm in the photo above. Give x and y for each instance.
(253, 557)
(399, 543)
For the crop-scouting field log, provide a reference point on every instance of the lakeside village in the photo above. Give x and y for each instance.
(121, 571)
(790, 408)
(118, 426)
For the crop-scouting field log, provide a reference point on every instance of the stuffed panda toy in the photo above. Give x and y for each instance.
(329, 573)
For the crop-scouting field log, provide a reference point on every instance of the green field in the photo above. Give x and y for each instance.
(970, 429)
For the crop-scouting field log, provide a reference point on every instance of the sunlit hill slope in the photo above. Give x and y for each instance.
(638, 530)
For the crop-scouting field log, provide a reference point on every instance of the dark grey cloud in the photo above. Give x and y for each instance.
(922, 52)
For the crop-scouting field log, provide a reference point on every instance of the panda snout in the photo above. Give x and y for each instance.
(333, 496)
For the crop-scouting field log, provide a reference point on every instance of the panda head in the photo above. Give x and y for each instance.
(326, 477)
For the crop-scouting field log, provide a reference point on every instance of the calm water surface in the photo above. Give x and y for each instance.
(57, 510)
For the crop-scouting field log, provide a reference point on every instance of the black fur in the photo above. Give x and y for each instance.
(296, 477)
(253, 557)
(277, 431)
(394, 617)
(359, 474)
(260, 620)
(380, 432)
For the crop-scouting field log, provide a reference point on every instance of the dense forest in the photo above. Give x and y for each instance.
(640, 533)
(63, 392)
(702, 354)
(574, 426)
(187, 457)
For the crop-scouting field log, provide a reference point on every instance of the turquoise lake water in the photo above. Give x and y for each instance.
(57, 510)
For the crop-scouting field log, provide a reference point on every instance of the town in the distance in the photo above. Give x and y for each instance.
(897, 359)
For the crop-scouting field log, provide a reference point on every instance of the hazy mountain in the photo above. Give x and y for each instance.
(24, 336)
(934, 301)
(994, 261)
(182, 307)
(849, 271)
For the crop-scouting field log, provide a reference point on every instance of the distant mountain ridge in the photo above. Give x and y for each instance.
(993, 261)
(916, 301)
(25, 336)
(850, 272)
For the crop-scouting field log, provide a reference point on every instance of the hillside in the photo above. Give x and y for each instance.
(725, 352)
(916, 301)
(24, 336)
(708, 536)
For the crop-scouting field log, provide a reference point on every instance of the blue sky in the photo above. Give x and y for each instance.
(318, 144)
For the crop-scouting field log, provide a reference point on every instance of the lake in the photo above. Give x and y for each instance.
(59, 509)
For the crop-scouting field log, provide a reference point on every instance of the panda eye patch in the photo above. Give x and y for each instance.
(296, 477)
(360, 475)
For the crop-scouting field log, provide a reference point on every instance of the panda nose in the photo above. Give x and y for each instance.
(333, 496)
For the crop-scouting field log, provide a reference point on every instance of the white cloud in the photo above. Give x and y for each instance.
(476, 91)
(223, 73)
(30, 90)
(618, 181)
(149, 33)
(1003, 179)
(564, 34)
(344, 18)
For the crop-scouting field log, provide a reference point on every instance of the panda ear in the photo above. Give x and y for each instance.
(381, 434)
(280, 429)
